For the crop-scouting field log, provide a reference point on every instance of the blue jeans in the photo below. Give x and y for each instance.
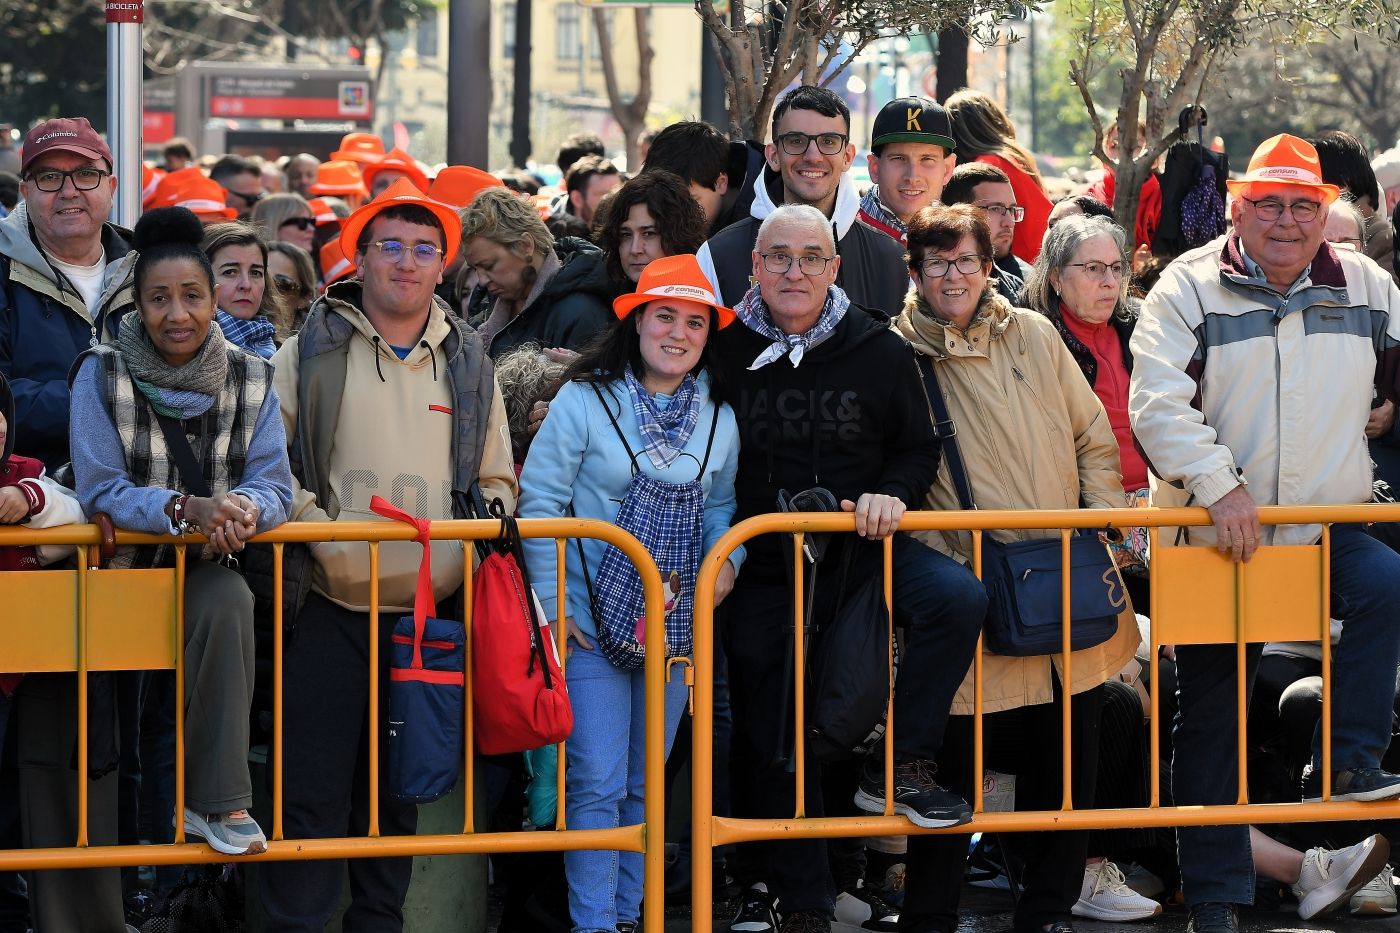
(1216, 863)
(605, 783)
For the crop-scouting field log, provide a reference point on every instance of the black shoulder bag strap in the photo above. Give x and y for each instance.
(947, 432)
(185, 460)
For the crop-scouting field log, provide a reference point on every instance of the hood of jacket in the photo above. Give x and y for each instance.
(581, 269)
(922, 328)
(7, 408)
(346, 298)
(768, 194)
(18, 244)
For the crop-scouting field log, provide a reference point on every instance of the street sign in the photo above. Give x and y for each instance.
(312, 97)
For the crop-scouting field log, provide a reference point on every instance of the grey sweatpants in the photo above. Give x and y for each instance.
(218, 692)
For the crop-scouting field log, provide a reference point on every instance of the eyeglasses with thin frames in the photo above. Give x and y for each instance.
(84, 179)
(827, 143)
(967, 264)
(423, 253)
(780, 263)
(1095, 269)
(1272, 209)
(1017, 212)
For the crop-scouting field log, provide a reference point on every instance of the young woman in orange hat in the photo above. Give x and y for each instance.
(639, 436)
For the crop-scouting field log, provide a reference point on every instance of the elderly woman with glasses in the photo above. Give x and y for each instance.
(1032, 435)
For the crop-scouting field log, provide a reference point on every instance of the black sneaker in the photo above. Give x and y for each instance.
(1365, 784)
(805, 921)
(626, 926)
(862, 906)
(756, 913)
(916, 794)
(1213, 918)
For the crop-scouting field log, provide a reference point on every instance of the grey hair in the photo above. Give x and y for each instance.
(803, 213)
(1061, 244)
(1349, 207)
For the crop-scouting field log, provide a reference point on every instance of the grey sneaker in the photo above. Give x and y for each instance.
(241, 836)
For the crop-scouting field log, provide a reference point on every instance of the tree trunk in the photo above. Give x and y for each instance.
(952, 63)
(630, 115)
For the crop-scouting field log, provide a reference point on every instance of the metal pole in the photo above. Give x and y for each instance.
(124, 19)
(520, 145)
(469, 82)
(1035, 85)
(713, 107)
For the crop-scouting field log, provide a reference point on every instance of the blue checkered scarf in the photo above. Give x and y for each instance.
(665, 431)
(873, 206)
(254, 334)
(752, 311)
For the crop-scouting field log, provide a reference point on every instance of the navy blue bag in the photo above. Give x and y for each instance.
(427, 680)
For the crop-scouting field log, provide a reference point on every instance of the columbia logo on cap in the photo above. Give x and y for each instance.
(54, 135)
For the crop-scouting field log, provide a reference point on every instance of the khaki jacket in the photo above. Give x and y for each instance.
(1032, 435)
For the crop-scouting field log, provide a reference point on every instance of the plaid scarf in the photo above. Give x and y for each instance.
(665, 431)
(874, 213)
(754, 314)
(254, 334)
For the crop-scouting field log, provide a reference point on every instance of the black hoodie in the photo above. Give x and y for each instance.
(573, 308)
(853, 418)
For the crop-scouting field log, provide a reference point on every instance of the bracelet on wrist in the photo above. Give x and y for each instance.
(178, 518)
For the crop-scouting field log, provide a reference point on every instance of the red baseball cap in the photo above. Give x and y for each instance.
(66, 134)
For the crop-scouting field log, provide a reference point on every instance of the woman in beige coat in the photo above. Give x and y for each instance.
(1032, 435)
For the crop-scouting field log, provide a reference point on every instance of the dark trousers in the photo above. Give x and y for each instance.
(1216, 864)
(1025, 742)
(326, 778)
(940, 605)
(14, 899)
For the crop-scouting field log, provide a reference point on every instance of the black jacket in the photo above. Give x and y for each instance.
(872, 273)
(852, 418)
(573, 308)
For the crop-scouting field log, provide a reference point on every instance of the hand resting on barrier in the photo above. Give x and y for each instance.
(1236, 519)
(877, 516)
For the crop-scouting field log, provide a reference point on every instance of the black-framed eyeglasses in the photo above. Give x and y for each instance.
(289, 286)
(423, 253)
(84, 179)
(1273, 208)
(301, 223)
(1095, 269)
(967, 264)
(1017, 212)
(827, 143)
(780, 263)
(248, 199)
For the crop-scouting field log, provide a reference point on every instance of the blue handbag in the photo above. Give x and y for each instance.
(1023, 579)
(427, 682)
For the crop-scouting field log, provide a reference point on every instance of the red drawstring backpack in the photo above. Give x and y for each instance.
(520, 697)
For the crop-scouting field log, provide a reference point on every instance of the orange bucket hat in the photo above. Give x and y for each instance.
(458, 185)
(678, 277)
(1285, 160)
(321, 212)
(365, 148)
(190, 188)
(402, 192)
(339, 177)
(150, 180)
(396, 160)
(334, 264)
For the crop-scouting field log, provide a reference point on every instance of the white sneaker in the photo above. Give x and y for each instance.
(1377, 898)
(1105, 896)
(1331, 876)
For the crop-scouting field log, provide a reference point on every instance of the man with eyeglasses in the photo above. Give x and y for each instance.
(988, 187)
(387, 393)
(1255, 361)
(807, 163)
(827, 395)
(241, 180)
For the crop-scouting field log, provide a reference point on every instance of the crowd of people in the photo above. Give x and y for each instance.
(733, 330)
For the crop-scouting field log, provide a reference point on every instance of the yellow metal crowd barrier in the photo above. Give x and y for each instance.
(1198, 597)
(133, 620)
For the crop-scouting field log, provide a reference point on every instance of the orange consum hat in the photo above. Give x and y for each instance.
(1286, 160)
(396, 160)
(334, 264)
(322, 213)
(400, 193)
(675, 277)
(190, 188)
(339, 178)
(365, 148)
(458, 185)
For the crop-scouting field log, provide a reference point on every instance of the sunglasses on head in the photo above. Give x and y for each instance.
(301, 223)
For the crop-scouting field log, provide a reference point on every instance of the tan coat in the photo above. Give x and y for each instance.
(1032, 436)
